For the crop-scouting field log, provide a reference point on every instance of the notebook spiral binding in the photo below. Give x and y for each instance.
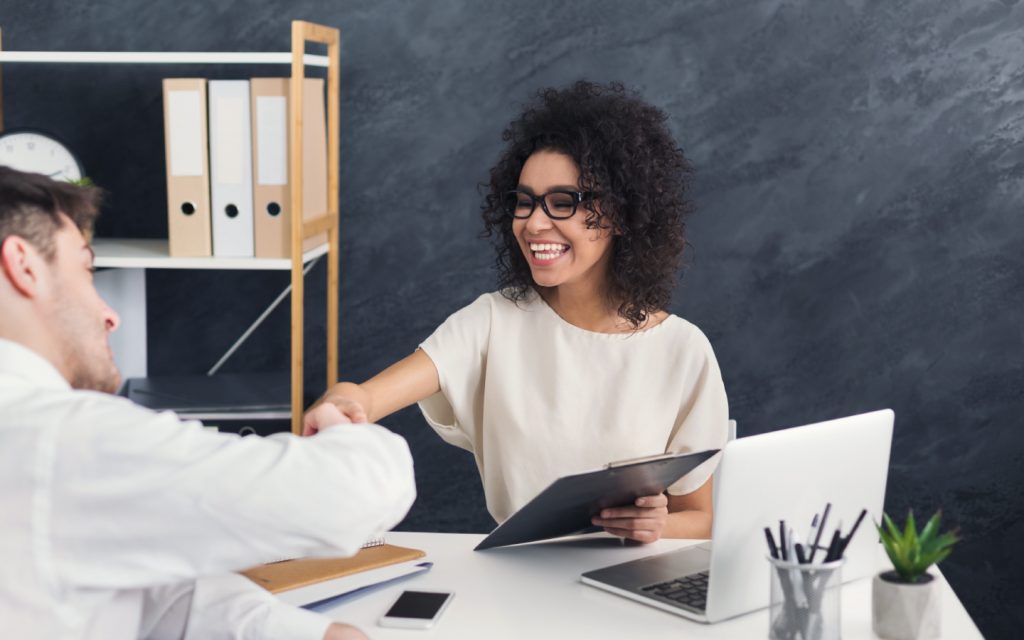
(374, 542)
(369, 544)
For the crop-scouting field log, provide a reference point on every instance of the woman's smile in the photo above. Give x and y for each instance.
(543, 254)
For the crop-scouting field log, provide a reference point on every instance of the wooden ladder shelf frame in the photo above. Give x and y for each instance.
(303, 32)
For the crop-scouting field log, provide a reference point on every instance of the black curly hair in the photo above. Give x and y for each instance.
(624, 151)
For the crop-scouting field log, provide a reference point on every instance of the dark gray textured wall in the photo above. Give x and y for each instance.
(858, 241)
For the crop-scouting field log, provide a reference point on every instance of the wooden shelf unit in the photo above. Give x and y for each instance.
(142, 254)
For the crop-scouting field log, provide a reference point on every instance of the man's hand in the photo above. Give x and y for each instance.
(643, 522)
(332, 412)
(338, 631)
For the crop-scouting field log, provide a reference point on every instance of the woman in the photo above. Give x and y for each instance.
(574, 362)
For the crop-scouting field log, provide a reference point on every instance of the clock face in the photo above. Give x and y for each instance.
(38, 153)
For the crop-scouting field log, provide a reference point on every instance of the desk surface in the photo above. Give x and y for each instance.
(534, 591)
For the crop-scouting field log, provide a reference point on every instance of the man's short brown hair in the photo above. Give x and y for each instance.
(31, 206)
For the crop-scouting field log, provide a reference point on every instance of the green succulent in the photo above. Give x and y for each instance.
(912, 553)
(84, 181)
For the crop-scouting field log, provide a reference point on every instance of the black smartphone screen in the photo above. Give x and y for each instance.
(417, 604)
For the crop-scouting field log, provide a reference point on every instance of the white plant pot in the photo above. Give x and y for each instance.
(904, 611)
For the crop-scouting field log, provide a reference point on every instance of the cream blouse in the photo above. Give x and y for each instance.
(535, 398)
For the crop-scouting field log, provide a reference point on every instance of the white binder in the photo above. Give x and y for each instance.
(231, 168)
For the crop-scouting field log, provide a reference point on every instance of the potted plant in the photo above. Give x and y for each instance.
(905, 601)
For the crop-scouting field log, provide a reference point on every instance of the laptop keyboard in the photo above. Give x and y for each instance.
(690, 591)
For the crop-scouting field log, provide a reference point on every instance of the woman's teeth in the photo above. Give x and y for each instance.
(547, 251)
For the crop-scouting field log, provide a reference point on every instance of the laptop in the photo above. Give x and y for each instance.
(790, 475)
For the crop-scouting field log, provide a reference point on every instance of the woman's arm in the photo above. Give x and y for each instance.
(409, 380)
(662, 516)
(690, 515)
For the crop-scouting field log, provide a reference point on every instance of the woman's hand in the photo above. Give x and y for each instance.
(332, 411)
(643, 522)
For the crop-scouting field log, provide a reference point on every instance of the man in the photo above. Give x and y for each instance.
(109, 512)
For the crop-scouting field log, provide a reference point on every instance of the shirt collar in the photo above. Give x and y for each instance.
(20, 361)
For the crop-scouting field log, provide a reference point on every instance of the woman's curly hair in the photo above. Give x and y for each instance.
(624, 151)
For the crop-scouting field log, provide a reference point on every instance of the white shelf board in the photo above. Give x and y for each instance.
(283, 414)
(135, 253)
(159, 57)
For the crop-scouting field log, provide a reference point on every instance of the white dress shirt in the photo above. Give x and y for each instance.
(109, 512)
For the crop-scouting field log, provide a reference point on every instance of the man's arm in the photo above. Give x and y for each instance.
(142, 498)
(231, 607)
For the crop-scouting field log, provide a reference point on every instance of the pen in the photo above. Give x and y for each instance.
(810, 532)
(771, 543)
(847, 539)
(782, 539)
(821, 527)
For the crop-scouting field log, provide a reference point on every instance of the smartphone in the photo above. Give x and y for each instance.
(416, 609)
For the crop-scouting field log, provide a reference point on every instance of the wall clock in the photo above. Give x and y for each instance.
(38, 152)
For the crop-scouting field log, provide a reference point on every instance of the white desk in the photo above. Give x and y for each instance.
(534, 592)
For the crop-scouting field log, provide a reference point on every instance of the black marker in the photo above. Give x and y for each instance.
(800, 557)
(771, 543)
(833, 547)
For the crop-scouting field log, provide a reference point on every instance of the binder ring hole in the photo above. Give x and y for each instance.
(188, 208)
(274, 209)
(231, 211)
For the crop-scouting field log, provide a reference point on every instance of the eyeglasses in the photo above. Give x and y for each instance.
(558, 204)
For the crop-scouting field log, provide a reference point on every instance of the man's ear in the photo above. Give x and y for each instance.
(21, 265)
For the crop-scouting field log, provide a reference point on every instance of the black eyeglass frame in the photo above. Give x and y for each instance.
(578, 197)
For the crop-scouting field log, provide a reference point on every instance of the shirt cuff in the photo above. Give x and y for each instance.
(231, 607)
(287, 621)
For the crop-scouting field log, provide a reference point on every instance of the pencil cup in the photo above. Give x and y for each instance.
(805, 602)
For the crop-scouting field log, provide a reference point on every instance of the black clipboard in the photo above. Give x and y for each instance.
(568, 504)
